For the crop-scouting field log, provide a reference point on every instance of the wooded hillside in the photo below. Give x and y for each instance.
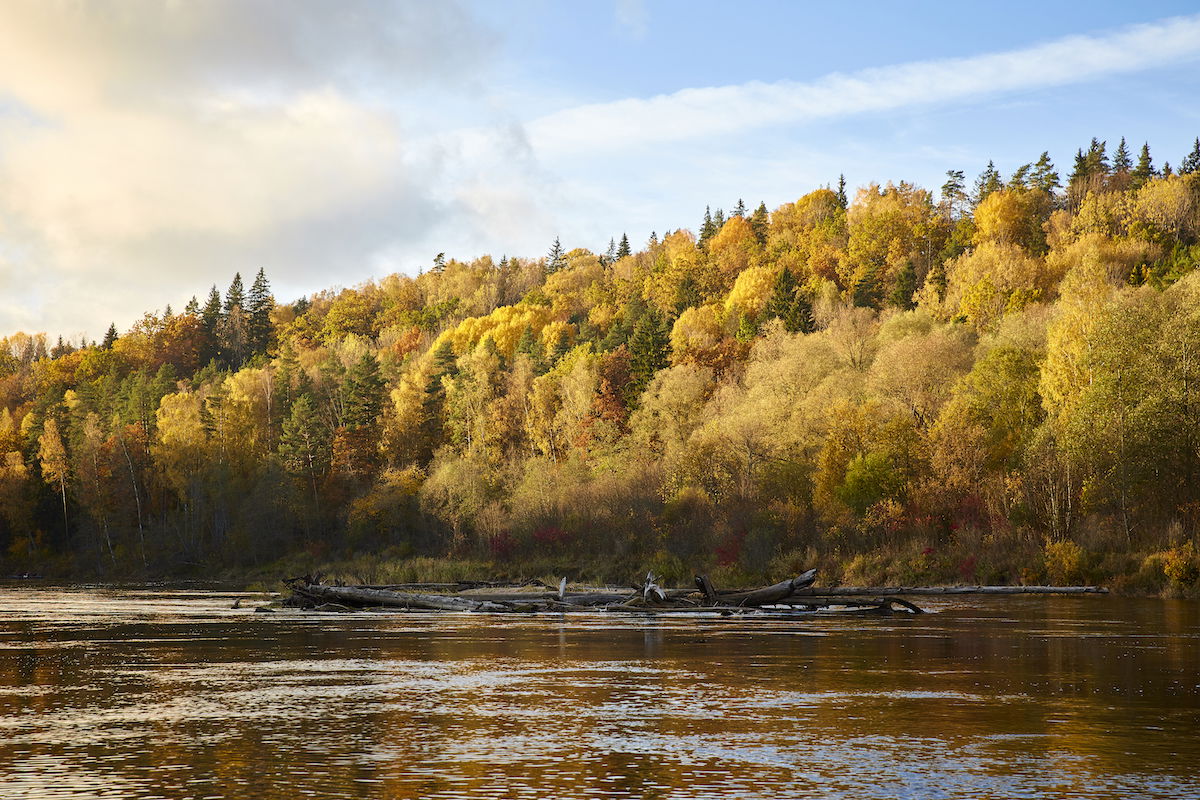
(1001, 382)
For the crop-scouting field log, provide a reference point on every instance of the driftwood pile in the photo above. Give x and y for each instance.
(789, 596)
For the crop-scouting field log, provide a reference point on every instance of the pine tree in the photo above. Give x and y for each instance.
(555, 259)
(623, 248)
(168, 312)
(110, 337)
(260, 305)
(192, 307)
(1144, 170)
(759, 223)
(1191, 162)
(988, 181)
(953, 191)
(1166, 169)
(439, 263)
(1020, 177)
(1121, 160)
(718, 221)
(740, 209)
(1044, 176)
(304, 445)
(842, 200)
(610, 255)
(529, 347)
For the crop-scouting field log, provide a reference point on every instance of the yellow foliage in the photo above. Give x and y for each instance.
(752, 290)
(697, 329)
(1013, 216)
(733, 248)
(505, 325)
(981, 283)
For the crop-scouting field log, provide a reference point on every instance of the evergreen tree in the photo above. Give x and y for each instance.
(1020, 177)
(260, 304)
(653, 241)
(304, 444)
(555, 259)
(529, 346)
(1097, 158)
(1191, 162)
(610, 255)
(790, 305)
(623, 248)
(988, 181)
(439, 263)
(649, 348)
(110, 337)
(192, 307)
(1144, 170)
(759, 223)
(707, 228)
(1166, 169)
(1044, 176)
(842, 200)
(740, 209)
(235, 297)
(1121, 160)
(364, 393)
(718, 221)
(906, 285)
(953, 193)
(168, 312)
(210, 319)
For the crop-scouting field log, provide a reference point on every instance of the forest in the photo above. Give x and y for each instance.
(995, 383)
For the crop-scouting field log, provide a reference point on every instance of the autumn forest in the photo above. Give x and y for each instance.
(997, 381)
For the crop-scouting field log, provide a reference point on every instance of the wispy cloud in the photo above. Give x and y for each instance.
(633, 18)
(714, 111)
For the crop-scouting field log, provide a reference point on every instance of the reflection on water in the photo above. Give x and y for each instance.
(138, 694)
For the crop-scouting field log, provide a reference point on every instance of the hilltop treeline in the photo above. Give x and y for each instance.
(1001, 383)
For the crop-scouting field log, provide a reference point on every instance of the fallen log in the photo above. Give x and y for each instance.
(858, 591)
(362, 597)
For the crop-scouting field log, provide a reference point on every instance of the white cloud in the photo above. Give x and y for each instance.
(715, 111)
(149, 148)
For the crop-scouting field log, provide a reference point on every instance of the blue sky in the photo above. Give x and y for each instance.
(149, 149)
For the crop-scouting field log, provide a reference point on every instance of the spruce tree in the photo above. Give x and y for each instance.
(649, 348)
(555, 259)
(740, 209)
(235, 297)
(260, 304)
(906, 285)
(1191, 162)
(610, 255)
(842, 200)
(1144, 170)
(623, 248)
(364, 393)
(1121, 160)
(707, 227)
(110, 337)
(304, 446)
(192, 307)
(759, 223)
(210, 319)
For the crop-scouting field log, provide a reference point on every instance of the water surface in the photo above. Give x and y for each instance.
(172, 694)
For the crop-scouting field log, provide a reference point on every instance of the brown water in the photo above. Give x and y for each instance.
(143, 694)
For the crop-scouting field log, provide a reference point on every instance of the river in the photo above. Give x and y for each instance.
(173, 694)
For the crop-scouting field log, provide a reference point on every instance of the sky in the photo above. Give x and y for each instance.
(151, 148)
